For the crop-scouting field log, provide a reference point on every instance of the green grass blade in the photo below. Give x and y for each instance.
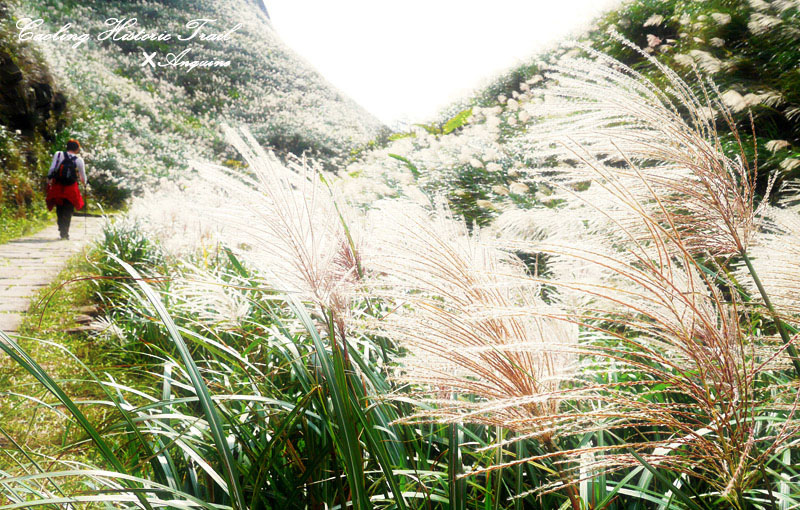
(611, 495)
(288, 421)
(110, 495)
(457, 486)
(347, 437)
(156, 461)
(22, 358)
(663, 479)
(206, 403)
(30, 459)
(377, 445)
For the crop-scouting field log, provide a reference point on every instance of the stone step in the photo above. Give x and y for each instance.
(14, 304)
(9, 322)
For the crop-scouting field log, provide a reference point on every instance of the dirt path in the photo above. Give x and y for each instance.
(30, 263)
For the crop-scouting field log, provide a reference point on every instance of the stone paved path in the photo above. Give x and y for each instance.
(30, 263)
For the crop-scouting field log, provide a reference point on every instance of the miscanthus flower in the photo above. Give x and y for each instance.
(790, 164)
(519, 188)
(284, 221)
(776, 257)
(717, 42)
(644, 305)
(721, 18)
(204, 296)
(654, 20)
(643, 190)
(480, 338)
(777, 145)
(164, 214)
(608, 120)
(761, 23)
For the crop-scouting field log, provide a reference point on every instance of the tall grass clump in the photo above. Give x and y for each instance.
(628, 345)
(662, 216)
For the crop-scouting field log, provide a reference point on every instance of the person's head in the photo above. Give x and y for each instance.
(73, 146)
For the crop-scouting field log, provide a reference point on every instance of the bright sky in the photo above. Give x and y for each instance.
(403, 60)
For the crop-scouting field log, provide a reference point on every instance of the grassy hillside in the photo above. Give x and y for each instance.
(140, 124)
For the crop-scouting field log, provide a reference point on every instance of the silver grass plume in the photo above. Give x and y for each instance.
(646, 306)
(285, 221)
(601, 117)
(644, 190)
(776, 257)
(473, 323)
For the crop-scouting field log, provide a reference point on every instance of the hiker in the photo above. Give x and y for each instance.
(62, 185)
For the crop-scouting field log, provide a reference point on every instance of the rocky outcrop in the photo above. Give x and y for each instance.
(27, 102)
(29, 97)
(32, 112)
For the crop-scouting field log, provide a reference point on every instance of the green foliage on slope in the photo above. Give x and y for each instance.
(747, 48)
(32, 114)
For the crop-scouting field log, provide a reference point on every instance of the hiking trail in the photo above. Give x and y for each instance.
(30, 263)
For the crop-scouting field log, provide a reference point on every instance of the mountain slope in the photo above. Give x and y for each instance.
(140, 122)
